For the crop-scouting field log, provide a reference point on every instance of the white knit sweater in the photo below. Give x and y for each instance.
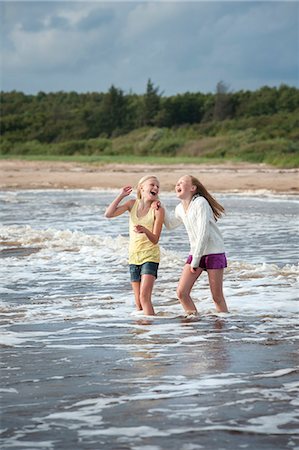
(204, 236)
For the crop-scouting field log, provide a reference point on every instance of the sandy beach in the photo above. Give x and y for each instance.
(17, 174)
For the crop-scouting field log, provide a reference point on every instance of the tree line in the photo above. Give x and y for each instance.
(69, 116)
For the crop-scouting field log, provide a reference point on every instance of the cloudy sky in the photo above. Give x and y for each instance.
(182, 46)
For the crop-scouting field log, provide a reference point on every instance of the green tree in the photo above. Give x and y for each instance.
(262, 102)
(151, 103)
(287, 98)
(181, 109)
(114, 110)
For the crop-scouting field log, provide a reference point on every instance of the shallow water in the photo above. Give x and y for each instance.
(79, 371)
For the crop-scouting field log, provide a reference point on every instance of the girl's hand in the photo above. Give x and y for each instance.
(193, 270)
(156, 204)
(126, 190)
(139, 229)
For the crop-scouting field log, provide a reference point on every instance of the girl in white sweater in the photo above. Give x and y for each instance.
(199, 211)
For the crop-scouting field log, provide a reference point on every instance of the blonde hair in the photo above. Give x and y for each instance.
(218, 209)
(143, 180)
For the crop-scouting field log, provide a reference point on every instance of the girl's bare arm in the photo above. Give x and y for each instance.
(114, 209)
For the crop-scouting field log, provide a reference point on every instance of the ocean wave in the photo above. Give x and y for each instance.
(31, 239)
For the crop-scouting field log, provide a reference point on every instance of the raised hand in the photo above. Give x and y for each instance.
(126, 190)
(115, 209)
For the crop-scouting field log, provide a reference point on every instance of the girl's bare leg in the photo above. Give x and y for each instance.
(216, 286)
(146, 289)
(136, 290)
(185, 286)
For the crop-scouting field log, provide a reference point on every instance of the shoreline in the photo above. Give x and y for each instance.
(227, 177)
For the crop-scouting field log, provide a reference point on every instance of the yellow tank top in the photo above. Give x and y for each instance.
(141, 249)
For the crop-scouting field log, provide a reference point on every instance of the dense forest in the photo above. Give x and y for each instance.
(261, 125)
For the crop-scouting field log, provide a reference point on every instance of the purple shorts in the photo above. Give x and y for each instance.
(213, 261)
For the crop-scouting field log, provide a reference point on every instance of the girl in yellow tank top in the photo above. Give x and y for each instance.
(145, 228)
(141, 249)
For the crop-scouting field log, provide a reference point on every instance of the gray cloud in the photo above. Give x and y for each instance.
(181, 46)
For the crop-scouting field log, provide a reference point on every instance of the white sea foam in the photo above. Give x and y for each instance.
(278, 373)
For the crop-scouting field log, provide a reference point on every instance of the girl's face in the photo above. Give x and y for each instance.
(184, 188)
(150, 189)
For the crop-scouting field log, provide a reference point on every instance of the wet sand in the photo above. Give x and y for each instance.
(17, 174)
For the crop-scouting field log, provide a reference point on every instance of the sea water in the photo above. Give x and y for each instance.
(80, 371)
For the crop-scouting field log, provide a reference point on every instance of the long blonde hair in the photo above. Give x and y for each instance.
(218, 209)
(143, 180)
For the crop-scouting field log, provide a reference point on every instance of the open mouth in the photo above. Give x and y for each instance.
(153, 193)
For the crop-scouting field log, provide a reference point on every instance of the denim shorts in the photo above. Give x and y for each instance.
(147, 268)
(213, 261)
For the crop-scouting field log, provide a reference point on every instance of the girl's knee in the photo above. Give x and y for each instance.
(182, 294)
(179, 292)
